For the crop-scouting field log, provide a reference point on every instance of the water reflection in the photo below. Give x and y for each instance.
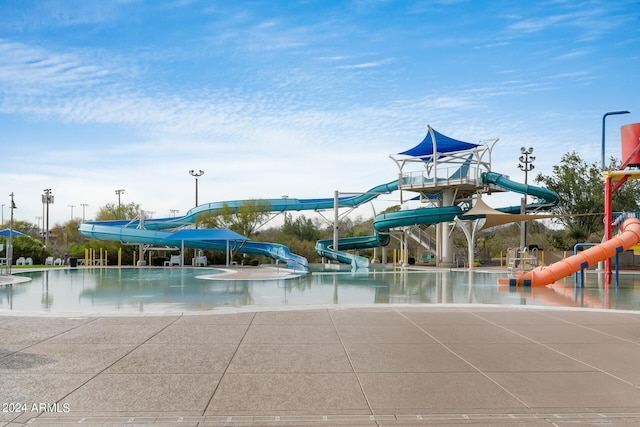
(129, 290)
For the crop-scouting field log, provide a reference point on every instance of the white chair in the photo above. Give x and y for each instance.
(57, 261)
(174, 260)
(201, 261)
(48, 261)
(20, 261)
(29, 261)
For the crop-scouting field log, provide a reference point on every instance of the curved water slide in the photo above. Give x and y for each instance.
(384, 222)
(275, 205)
(106, 230)
(149, 231)
(546, 197)
(542, 276)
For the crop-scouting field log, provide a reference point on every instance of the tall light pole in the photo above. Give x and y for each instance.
(610, 113)
(10, 240)
(2, 214)
(608, 208)
(71, 206)
(196, 175)
(526, 165)
(119, 192)
(84, 205)
(47, 199)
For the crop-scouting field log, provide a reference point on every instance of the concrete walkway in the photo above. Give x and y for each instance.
(468, 365)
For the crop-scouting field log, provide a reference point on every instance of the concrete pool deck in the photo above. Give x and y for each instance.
(369, 366)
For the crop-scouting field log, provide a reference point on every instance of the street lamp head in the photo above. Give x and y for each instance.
(610, 113)
(196, 174)
(613, 113)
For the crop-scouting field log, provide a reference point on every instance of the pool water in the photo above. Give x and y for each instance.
(175, 290)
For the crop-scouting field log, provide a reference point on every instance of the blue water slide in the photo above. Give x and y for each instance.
(106, 231)
(427, 216)
(325, 248)
(275, 205)
(547, 198)
(149, 231)
(384, 222)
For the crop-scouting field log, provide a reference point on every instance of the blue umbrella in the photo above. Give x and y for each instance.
(14, 233)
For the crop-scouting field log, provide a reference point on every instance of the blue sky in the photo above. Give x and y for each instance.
(297, 98)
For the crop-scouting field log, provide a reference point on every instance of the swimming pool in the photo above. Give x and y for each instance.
(175, 290)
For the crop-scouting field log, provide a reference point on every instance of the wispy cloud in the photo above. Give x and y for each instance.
(23, 65)
(62, 14)
(372, 64)
(573, 54)
(592, 22)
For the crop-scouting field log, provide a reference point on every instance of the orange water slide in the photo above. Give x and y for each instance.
(542, 276)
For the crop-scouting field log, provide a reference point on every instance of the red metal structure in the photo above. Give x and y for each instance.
(630, 137)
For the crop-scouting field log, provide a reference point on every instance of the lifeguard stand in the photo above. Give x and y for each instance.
(445, 172)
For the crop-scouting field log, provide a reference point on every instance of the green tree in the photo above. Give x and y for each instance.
(581, 191)
(112, 211)
(27, 247)
(66, 239)
(394, 208)
(245, 219)
(301, 228)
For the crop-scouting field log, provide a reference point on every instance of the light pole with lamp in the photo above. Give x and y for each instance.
(10, 240)
(610, 113)
(526, 165)
(84, 205)
(608, 209)
(2, 214)
(71, 206)
(47, 199)
(196, 175)
(119, 193)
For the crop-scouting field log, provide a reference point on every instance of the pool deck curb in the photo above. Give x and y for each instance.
(374, 366)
